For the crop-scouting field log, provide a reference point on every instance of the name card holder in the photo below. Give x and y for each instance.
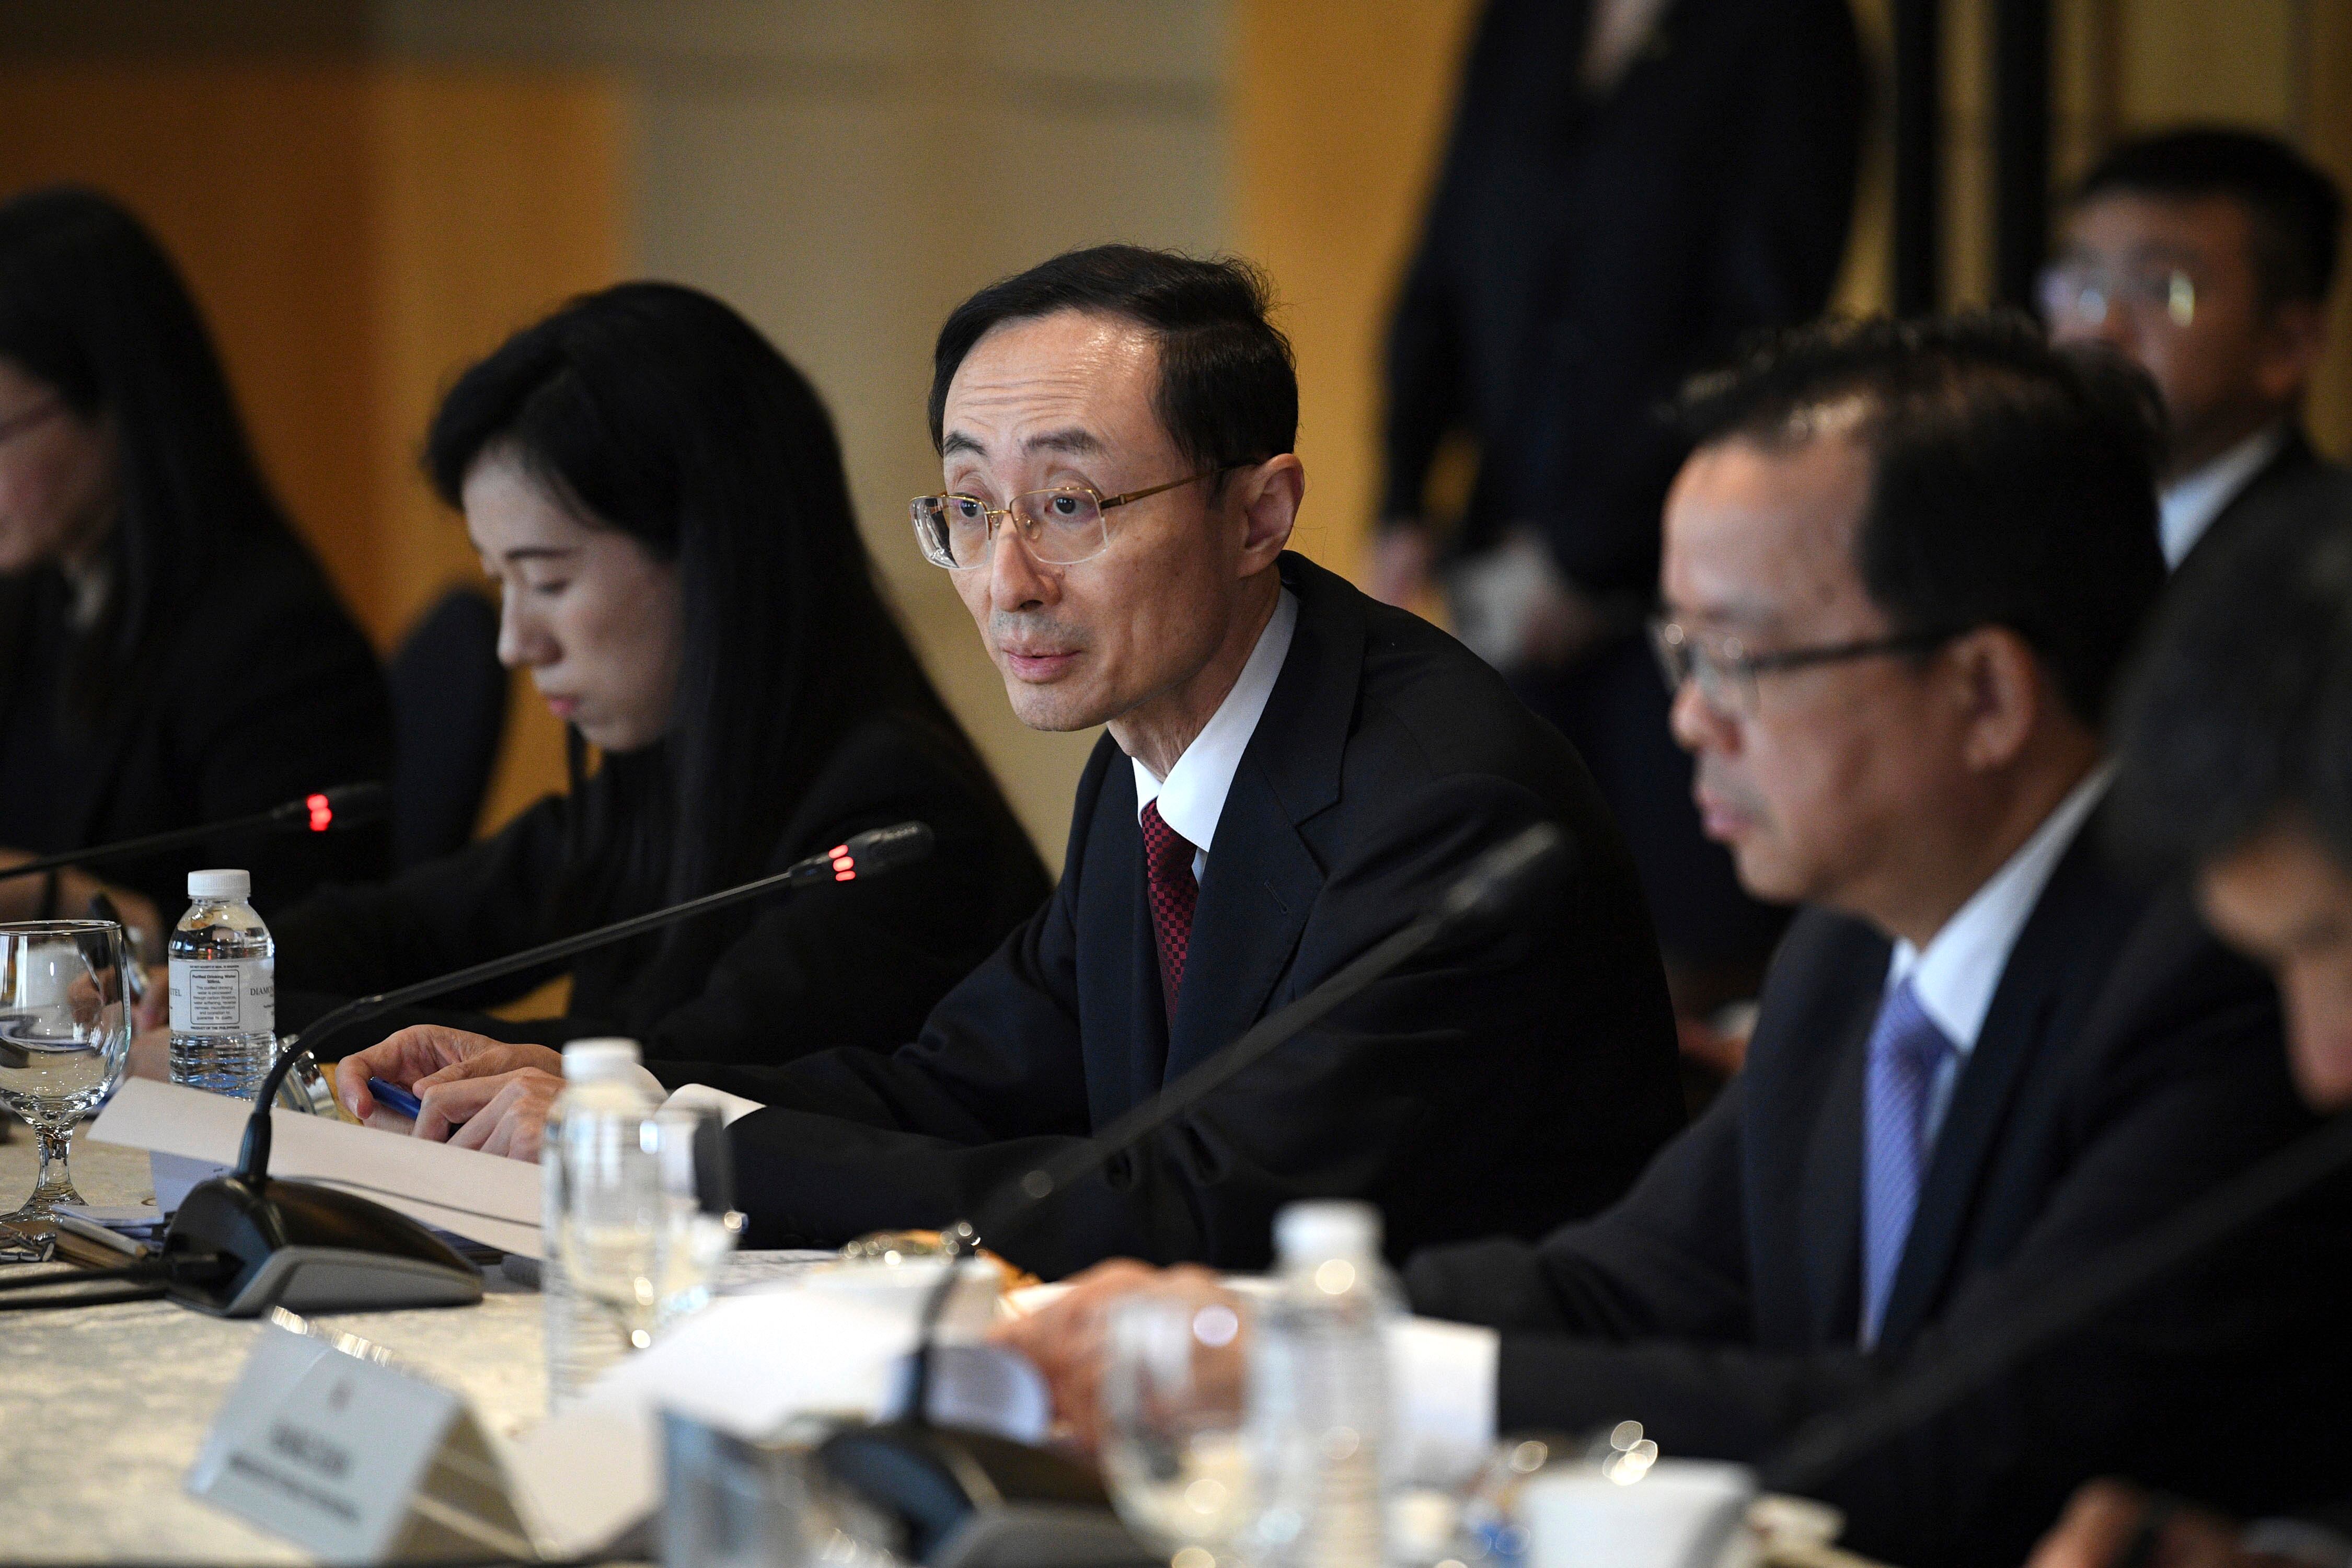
(327, 1441)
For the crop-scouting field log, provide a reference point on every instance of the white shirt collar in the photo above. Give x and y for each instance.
(1955, 977)
(2186, 507)
(1193, 796)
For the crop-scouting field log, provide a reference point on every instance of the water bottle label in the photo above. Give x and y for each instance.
(223, 995)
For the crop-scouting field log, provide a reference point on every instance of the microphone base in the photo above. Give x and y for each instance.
(970, 1500)
(309, 1248)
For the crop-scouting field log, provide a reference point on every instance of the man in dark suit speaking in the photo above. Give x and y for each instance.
(1902, 570)
(1292, 772)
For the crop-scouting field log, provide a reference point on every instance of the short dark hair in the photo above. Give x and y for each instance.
(1228, 387)
(2240, 708)
(2295, 209)
(2011, 483)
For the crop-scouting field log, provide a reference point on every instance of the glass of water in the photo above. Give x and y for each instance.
(1173, 1448)
(65, 1040)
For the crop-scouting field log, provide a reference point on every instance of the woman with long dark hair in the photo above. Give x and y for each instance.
(660, 497)
(170, 654)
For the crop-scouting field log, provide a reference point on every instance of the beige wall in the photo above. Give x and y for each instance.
(844, 174)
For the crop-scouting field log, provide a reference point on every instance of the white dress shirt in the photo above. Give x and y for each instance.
(2186, 507)
(1192, 798)
(1445, 1373)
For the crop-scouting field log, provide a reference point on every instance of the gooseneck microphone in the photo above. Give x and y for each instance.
(328, 810)
(932, 1479)
(1826, 1446)
(313, 1248)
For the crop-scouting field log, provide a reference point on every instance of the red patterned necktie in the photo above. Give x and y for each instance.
(1168, 865)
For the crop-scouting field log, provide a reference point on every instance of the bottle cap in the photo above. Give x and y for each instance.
(587, 1061)
(220, 887)
(1326, 1228)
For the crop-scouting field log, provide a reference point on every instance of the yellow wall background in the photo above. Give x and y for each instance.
(361, 219)
(355, 235)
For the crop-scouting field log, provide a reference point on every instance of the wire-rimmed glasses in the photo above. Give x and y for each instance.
(1061, 527)
(65, 1041)
(2077, 293)
(1725, 673)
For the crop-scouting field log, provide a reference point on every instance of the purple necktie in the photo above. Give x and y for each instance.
(1905, 1050)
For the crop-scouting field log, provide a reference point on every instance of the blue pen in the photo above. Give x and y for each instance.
(392, 1097)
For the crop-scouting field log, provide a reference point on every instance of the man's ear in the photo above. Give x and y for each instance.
(2002, 690)
(1265, 497)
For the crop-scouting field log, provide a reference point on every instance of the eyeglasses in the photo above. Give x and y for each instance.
(2081, 294)
(17, 424)
(1060, 527)
(1727, 673)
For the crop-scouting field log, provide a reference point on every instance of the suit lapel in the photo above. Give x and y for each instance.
(2017, 1032)
(1829, 1186)
(1262, 879)
(1261, 883)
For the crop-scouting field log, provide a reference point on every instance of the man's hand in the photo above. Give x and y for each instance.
(2108, 1520)
(476, 1093)
(1065, 1340)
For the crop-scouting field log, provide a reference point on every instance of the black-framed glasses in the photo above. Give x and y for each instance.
(1727, 673)
(40, 413)
(1060, 527)
(2076, 293)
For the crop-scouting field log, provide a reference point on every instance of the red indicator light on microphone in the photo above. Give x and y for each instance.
(844, 863)
(322, 813)
(845, 875)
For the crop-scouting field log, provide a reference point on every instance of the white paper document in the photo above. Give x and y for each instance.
(482, 1197)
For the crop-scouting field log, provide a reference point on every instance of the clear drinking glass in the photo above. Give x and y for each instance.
(700, 1225)
(65, 1040)
(1172, 1446)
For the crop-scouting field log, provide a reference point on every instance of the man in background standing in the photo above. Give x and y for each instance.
(2205, 255)
(1631, 186)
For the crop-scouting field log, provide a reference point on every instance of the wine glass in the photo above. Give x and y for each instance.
(1172, 1446)
(65, 1040)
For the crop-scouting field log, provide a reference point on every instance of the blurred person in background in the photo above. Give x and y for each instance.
(169, 652)
(1902, 573)
(2235, 750)
(2205, 255)
(660, 495)
(1632, 186)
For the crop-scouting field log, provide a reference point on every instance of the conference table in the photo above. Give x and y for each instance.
(104, 1407)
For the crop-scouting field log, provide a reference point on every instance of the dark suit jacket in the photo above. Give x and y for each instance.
(851, 965)
(1581, 256)
(1493, 1084)
(2296, 476)
(258, 690)
(2126, 1063)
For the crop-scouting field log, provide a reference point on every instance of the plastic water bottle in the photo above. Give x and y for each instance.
(224, 979)
(1319, 1411)
(602, 1219)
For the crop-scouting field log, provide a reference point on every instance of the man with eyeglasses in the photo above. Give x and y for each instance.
(2205, 256)
(1292, 772)
(1902, 569)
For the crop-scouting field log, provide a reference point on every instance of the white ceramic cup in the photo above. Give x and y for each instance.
(1683, 1513)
